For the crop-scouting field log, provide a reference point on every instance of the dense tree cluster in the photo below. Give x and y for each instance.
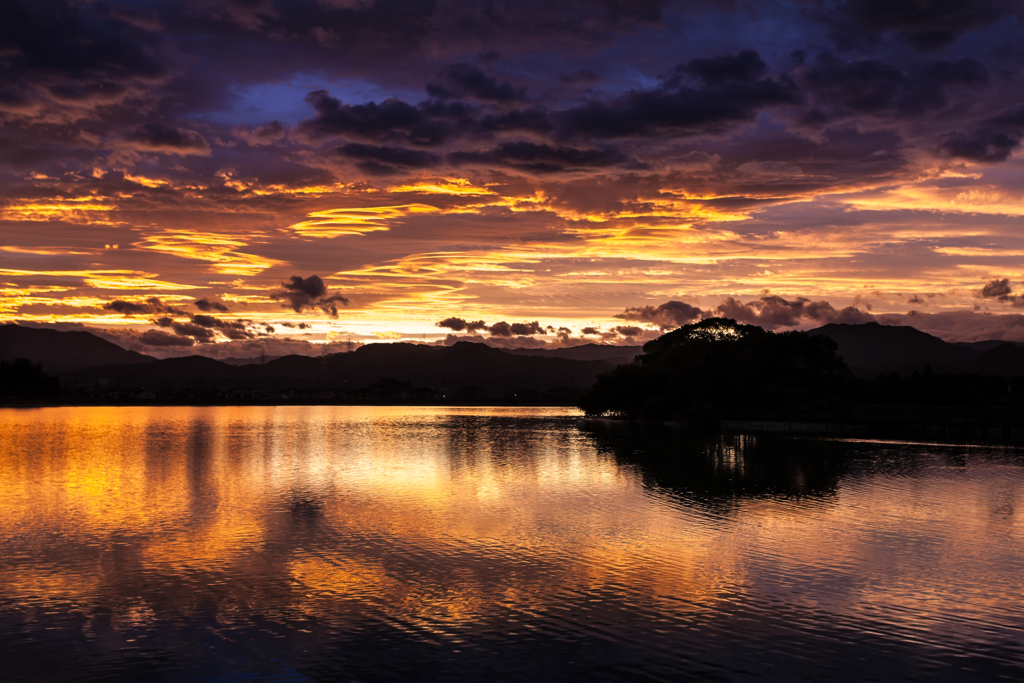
(718, 367)
(928, 388)
(21, 378)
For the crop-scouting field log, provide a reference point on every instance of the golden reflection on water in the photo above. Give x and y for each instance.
(440, 522)
(241, 491)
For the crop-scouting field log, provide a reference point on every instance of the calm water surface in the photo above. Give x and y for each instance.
(382, 544)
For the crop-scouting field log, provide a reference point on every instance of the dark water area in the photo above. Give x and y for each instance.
(444, 544)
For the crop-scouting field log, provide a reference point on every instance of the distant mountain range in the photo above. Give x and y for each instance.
(83, 358)
(870, 349)
(63, 351)
(443, 369)
(616, 355)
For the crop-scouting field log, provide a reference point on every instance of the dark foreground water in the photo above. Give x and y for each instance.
(421, 544)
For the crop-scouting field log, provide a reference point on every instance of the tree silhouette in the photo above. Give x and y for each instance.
(21, 378)
(717, 367)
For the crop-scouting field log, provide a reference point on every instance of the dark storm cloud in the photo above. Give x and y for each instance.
(667, 315)
(725, 94)
(204, 327)
(579, 76)
(266, 134)
(869, 86)
(158, 137)
(74, 52)
(430, 123)
(924, 24)
(369, 121)
(980, 144)
(504, 329)
(206, 305)
(772, 311)
(375, 30)
(536, 120)
(232, 329)
(541, 157)
(498, 329)
(991, 140)
(150, 306)
(300, 294)
(377, 159)
(460, 325)
(702, 95)
(746, 65)
(187, 329)
(998, 289)
(159, 338)
(463, 80)
(527, 328)
(629, 330)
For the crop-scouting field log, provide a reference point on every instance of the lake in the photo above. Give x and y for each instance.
(507, 544)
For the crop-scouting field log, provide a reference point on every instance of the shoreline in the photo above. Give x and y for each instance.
(264, 404)
(986, 424)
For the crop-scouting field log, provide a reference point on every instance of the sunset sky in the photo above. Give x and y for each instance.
(228, 177)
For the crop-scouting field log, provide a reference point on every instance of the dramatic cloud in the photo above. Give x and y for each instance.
(991, 140)
(772, 312)
(460, 325)
(727, 92)
(372, 121)
(158, 137)
(746, 65)
(187, 329)
(378, 159)
(525, 328)
(150, 306)
(667, 315)
(206, 305)
(543, 158)
(162, 339)
(565, 159)
(998, 289)
(463, 80)
(498, 329)
(232, 329)
(504, 329)
(925, 25)
(300, 294)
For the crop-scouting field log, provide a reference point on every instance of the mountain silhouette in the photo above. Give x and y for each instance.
(441, 369)
(60, 352)
(616, 355)
(988, 344)
(83, 358)
(871, 349)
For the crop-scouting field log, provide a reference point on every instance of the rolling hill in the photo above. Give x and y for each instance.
(60, 352)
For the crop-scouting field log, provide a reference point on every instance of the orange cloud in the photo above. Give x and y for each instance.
(213, 248)
(82, 210)
(449, 186)
(356, 221)
(104, 279)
